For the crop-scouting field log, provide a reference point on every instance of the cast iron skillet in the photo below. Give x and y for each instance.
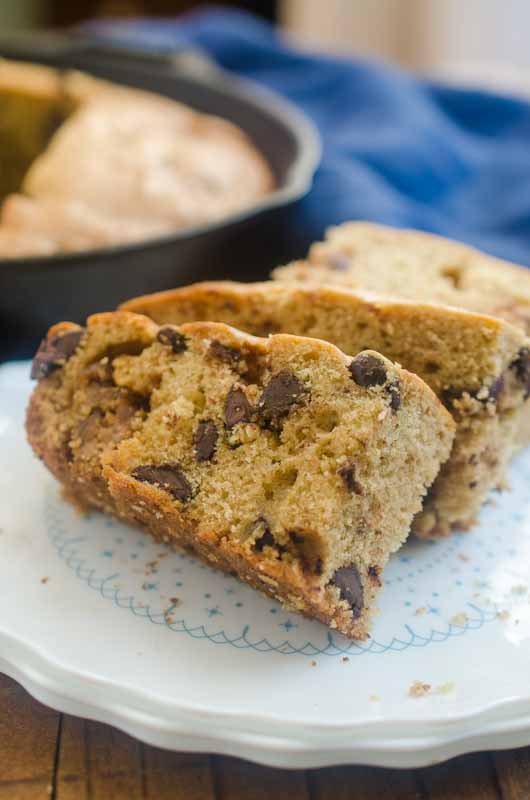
(37, 292)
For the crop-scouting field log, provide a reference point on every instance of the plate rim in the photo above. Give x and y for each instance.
(262, 737)
(199, 729)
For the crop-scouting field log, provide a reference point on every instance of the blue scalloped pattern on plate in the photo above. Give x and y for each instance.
(433, 591)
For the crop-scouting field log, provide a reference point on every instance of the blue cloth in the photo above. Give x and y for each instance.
(396, 149)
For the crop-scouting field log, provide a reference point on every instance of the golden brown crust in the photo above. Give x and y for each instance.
(165, 304)
(264, 308)
(151, 509)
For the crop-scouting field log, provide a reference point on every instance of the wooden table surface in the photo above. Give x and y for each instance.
(44, 754)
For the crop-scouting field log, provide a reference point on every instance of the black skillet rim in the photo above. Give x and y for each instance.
(296, 184)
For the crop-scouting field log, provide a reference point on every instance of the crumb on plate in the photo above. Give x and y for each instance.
(419, 689)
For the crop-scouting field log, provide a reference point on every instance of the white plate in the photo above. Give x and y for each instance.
(226, 670)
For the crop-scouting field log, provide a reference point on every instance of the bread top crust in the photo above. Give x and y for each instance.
(447, 347)
(232, 336)
(125, 324)
(417, 266)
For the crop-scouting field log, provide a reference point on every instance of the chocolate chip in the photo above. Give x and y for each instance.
(367, 370)
(347, 473)
(169, 477)
(129, 403)
(265, 540)
(485, 394)
(373, 574)
(496, 389)
(264, 537)
(54, 353)
(449, 395)
(65, 344)
(395, 396)
(205, 440)
(133, 347)
(230, 355)
(296, 538)
(521, 365)
(282, 391)
(100, 372)
(237, 407)
(171, 337)
(348, 581)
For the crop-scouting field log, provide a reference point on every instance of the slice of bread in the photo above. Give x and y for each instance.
(281, 459)
(415, 266)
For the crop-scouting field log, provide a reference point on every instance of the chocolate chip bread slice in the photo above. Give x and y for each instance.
(416, 266)
(477, 365)
(280, 459)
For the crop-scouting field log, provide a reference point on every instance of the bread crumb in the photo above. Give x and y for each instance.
(419, 689)
(248, 433)
(503, 614)
(374, 698)
(463, 557)
(180, 407)
(313, 663)
(459, 619)
(44, 580)
(420, 611)
(344, 659)
(445, 688)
